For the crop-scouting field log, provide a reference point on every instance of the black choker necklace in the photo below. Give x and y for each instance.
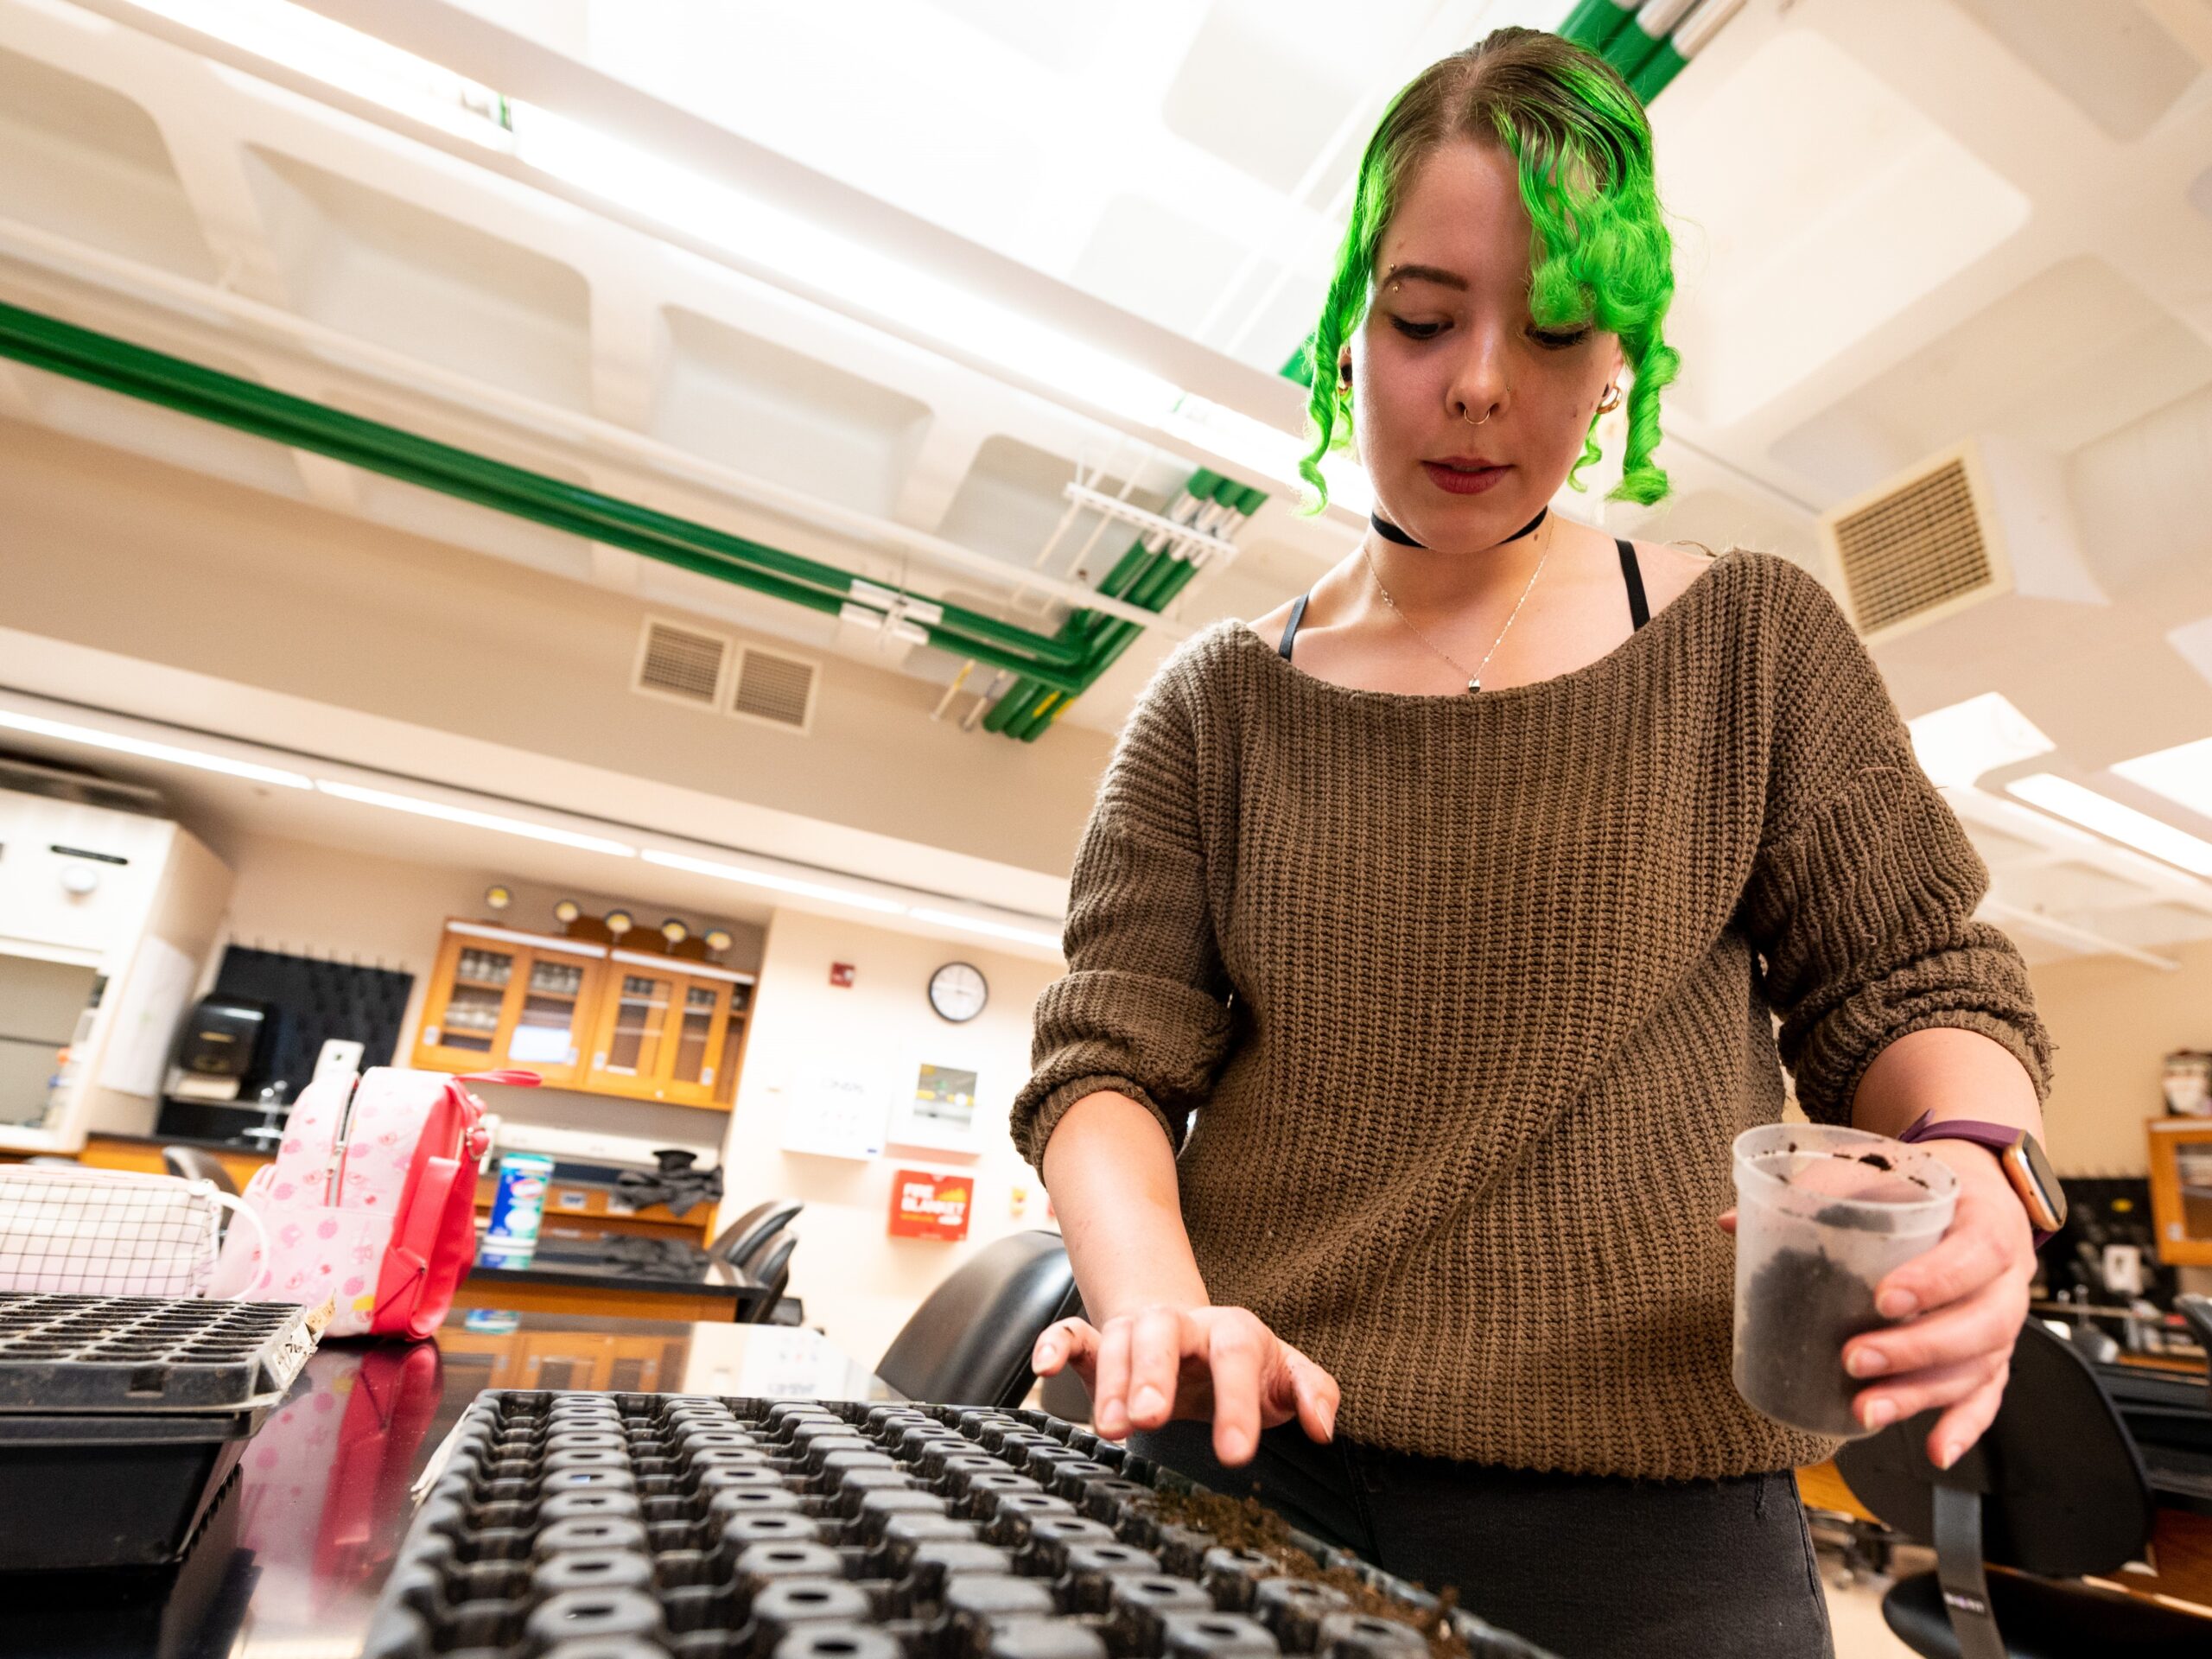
(1391, 532)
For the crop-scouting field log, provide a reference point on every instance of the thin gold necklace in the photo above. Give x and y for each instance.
(1475, 676)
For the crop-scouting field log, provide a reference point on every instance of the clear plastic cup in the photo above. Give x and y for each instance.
(1821, 1215)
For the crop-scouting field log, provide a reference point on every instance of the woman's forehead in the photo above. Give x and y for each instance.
(1459, 225)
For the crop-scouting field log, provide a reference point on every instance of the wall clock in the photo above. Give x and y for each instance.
(957, 992)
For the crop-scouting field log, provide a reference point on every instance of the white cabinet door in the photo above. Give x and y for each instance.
(76, 877)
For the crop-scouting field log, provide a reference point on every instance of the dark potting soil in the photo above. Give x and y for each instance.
(1249, 1525)
(1802, 1307)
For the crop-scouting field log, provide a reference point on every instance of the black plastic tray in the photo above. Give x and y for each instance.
(145, 1353)
(110, 1490)
(639, 1526)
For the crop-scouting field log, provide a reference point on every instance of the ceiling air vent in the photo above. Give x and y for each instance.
(1920, 548)
(683, 665)
(774, 690)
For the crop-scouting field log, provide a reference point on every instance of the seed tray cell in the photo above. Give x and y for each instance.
(75, 1353)
(640, 1525)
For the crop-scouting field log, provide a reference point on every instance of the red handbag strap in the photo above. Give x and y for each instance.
(472, 1109)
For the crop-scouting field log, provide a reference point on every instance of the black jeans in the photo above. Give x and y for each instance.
(1587, 1566)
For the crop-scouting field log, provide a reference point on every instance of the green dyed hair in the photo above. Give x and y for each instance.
(1601, 253)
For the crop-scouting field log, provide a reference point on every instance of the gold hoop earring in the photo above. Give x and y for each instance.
(1605, 407)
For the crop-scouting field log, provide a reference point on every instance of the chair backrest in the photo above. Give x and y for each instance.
(2062, 1486)
(744, 1237)
(968, 1343)
(771, 1267)
(2197, 1311)
(194, 1164)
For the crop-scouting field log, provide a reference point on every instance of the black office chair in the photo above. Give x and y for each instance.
(744, 1237)
(2196, 1311)
(1064, 1394)
(2055, 1488)
(968, 1343)
(771, 1267)
(192, 1164)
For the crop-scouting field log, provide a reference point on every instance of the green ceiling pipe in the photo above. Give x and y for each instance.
(154, 377)
(1635, 45)
(1691, 37)
(1594, 22)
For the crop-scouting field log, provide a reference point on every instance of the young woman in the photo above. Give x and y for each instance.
(1425, 936)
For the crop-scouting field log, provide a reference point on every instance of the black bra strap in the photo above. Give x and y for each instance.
(1639, 608)
(1290, 629)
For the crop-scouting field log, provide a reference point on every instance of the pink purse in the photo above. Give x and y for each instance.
(370, 1203)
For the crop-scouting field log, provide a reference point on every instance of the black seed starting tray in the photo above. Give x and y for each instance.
(145, 1353)
(639, 1526)
(121, 1418)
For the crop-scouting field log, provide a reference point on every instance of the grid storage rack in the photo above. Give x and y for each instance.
(635, 1526)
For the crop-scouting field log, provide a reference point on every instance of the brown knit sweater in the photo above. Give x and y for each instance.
(1461, 1000)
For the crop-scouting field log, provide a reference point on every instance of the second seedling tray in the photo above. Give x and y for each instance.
(74, 1353)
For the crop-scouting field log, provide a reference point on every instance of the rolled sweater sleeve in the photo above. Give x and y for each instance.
(1143, 1008)
(1864, 888)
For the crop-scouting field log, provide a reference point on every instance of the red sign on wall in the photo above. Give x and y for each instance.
(926, 1204)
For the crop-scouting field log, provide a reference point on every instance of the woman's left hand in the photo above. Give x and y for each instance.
(1962, 1304)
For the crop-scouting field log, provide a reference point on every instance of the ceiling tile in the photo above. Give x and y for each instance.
(1815, 203)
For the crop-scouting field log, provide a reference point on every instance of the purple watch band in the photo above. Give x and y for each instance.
(1996, 1137)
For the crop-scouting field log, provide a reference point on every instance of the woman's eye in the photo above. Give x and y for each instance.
(1417, 330)
(1560, 342)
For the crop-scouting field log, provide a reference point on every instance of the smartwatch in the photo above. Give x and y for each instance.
(2018, 1154)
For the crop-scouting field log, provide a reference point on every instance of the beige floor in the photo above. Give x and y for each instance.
(1855, 1610)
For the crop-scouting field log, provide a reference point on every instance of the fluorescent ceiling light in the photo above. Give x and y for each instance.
(505, 826)
(1957, 745)
(348, 60)
(2182, 775)
(779, 883)
(995, 930)
(91, 737)
(2109, 817)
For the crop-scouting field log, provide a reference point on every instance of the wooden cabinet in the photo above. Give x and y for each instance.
(584, 1015)
(501, 998)
(2181, 1189)
(668, 1030)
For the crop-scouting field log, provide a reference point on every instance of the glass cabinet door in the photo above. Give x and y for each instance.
(698, 1034)
(548, 1036)
(636, 1031)
(470, 992)
(732, 1057)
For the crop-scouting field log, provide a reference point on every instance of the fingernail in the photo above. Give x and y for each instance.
(1329, 1424)
(1233, 1449)
(1947, 1454)
(1047, 1354)
(1146, 1402)
(1865, 1361)
(1897, 1304)
(1878, 1414)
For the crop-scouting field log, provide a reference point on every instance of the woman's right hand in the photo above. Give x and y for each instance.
(1221, 1363)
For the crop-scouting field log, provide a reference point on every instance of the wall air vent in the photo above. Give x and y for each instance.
(681, 663)
(1920, 548)
(775, 689)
